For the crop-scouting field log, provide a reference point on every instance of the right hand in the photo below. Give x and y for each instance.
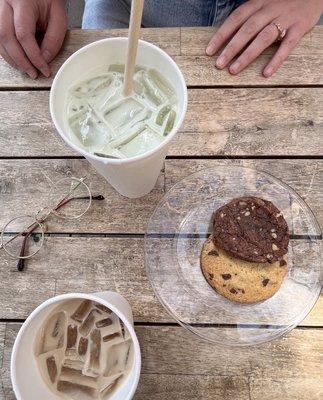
(19, 20)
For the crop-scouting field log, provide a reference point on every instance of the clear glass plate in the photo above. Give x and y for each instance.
(175, 235)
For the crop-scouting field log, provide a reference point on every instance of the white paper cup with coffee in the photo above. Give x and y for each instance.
(133, 176)
(56, 356)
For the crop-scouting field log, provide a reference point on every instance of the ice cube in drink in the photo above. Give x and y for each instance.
(109, 124)
(83, 351)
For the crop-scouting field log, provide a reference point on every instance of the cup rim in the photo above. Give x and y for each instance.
(128, 160)
(68, 296)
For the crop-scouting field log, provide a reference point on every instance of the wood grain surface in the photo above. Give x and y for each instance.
(274, 125)
(218, 122)
(93, 264)
(178, 366)
(25, 186)
(305, 61)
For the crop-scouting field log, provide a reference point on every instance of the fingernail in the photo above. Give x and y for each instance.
(234, 68)
(47, 56)
(209, 50)
(220, 62)
(31, 73)
(268, 72)
(45, 71)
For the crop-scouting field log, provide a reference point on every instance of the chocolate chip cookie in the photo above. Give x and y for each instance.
(239, 280)
(251, 229)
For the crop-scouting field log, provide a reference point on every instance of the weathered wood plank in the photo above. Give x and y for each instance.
(230, 121)
(296, 70)
(92, 264)
(25, 185)
(2, 343)
(24, 189)
(301, 68)
(176, 365)
(167, 38)
(195, 40)
(304, 176)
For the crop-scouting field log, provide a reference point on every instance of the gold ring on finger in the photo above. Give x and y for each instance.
(281, 32)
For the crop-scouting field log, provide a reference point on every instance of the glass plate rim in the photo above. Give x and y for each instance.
(318, 286)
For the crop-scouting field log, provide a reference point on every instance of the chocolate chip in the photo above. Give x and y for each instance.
(243, 291)
(211, 276)
(282, 263)
(213, 253)
(224, 285)
(226, 277)
(265, 282)
(233, 291)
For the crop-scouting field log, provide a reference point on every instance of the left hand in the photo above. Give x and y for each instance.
(252, 27)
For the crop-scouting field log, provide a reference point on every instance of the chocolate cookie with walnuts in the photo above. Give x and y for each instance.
(240, 280)
(251, 229)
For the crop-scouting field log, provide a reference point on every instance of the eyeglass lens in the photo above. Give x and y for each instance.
(22, 237)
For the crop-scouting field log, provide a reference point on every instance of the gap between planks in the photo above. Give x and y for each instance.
(185, 157)
(251, 86)
(175, 324)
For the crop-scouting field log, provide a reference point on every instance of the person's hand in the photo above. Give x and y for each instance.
(19, 20)
(252, 27)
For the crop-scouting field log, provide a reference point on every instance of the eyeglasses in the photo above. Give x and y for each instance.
(22, 237)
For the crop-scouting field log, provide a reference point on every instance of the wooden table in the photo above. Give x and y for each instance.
(273, 124)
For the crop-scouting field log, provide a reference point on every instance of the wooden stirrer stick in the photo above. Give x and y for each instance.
(134, 31)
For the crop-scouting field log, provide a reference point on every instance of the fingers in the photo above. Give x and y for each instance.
(25, 29)
(291, 39)
(263, 40)
(10, 44)
(55, 33)
(231, 25)
(245, 34)
(7, 58)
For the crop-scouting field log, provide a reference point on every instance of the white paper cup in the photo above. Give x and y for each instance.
(136, 176)
(27, 381)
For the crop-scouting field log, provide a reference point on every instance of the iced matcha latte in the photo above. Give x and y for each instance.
(106, 124)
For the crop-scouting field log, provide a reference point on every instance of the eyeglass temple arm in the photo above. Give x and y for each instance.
(21, 261)
(31, 229)
(66, 201)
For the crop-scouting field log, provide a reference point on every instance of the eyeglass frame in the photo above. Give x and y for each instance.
(39, 221)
